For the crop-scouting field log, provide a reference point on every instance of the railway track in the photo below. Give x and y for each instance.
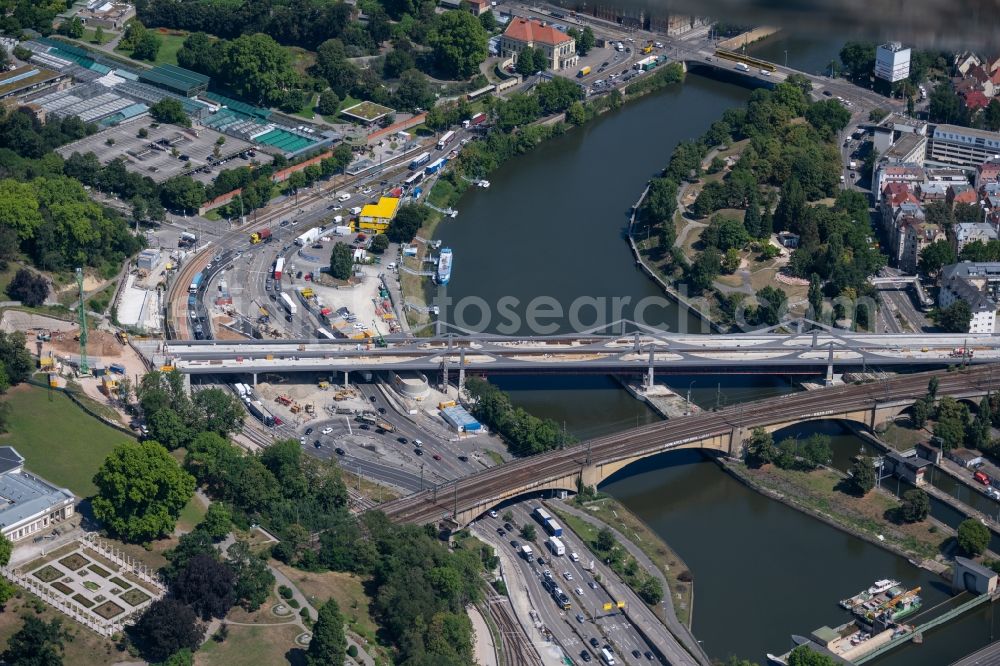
(537, 470)
(517, 647)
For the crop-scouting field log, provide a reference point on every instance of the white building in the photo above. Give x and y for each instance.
(978, 284)
(892, 62)
(30, 504)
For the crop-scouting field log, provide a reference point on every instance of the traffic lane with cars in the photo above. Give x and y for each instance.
(606, 628)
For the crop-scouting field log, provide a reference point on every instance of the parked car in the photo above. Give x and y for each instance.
(436, 456)
(419, 452)
(327, 430)
(340, 451)
(309, 431)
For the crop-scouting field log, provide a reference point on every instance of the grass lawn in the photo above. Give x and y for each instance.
(88, 36)
(59, 441)
(345, 588)
(191, 514)
(250, 646)
(170, 43)
(307, 111)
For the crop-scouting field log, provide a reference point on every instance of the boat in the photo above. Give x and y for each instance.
(877, 588)
(483, 183)
(444, 266)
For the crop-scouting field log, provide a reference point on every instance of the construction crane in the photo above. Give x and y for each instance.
(82, 314)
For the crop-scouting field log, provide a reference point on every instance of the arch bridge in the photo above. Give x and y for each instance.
(457, 503)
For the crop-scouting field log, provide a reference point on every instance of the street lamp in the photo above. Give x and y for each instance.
(689, 396)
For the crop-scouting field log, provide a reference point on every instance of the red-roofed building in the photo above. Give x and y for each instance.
(521, 33)
(478, 7)
(987, 172)
(976, 100)
(962, 194)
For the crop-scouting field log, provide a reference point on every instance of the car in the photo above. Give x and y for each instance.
(853, 175)
(327, 430)
(274, 297)
(288, 318)
(365, 426)
(381, 410)
(402, 440)
(208, 267)
(515, 544)
(340, 451)
(764, 72)
(580, 618)
(318, 444)
(708, 58)
(578, 591)
(573, 556)
(436, 456)
(493, 514)
(567, 575)
(464, 458)
(585, 656)
(594, 642)
(636, 654)
(417, 442)
(295, 223)
(547, 575)
(373, 398)
(605, 63)
(302, 440)
(418, 452)
(317, 246)
(309, 431)
(381, 430)
(298, 276)
(367, 190)
(284, 223)
(648, 655)
(540, 560)
(593, 585)
(827, 93)
(508, 527)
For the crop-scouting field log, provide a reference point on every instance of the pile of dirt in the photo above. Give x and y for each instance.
(99, 343)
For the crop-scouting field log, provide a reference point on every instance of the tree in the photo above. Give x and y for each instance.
(459, 44)
(586, 41)
(341, 261)
(952, 418)
(760, 448)
(815, 451)
(858, 59)
(147, 47)
(37, 643)
(606, 540)
(72, 28)
(217, 521)
(169, 110)
(328, 646)
(527, 62)
(922, 410)
(803, 656)
(168, 428)
(916, 506)
(828, 116)
(650, 590)
(328, 103)
(528, 532)
(140, 491)
(206, 585)
(253, 578)
(167, 626)
(408, 220)
(973, 537)
(413, 92)
(863, 475)
(936, 256)
(15, 357)
(398, 61)
(220, 411)
(955, 318)
(182, 193)
(991, 115)
(772, 305)
(379, 244)
(7, 589)
(816, 297)
(28, 287)
(98, 35)
(725, 233)
(932, 387)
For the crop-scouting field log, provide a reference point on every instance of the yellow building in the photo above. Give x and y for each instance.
(376, 217)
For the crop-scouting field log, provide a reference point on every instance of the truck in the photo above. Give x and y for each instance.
(341, 230)
(117, 368)
(196, 283)
(445, 139)
(743, 67)
(527, 553)
(419, 161)
(959, 352)
(122, 337)
(583, 72)
(186, 238)
(257, 409)
(556, 546)
(288, 303)
(553, 528)
(309, 237)
(260, 236)
(853, 164)
(435, 166)
(279, 265)
(477, 119)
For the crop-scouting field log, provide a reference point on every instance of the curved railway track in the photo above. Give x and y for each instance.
(527, 473)
(517, 647)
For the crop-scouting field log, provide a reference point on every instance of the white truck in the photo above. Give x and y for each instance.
(556, 546)
(289, 304)
(527, 553)
(309, 237)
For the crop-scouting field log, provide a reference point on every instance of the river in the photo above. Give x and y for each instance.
(552, 225)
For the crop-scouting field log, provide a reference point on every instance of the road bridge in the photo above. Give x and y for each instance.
(457, 503)
(648, 352)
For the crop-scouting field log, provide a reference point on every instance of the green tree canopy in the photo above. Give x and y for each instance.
(973, 537)
(955, 318)
(36, 643)
(936, 256)
(341, 261)
(916, 505)
(459, 44)
(141, 491)
(328, 646)
(863, 475)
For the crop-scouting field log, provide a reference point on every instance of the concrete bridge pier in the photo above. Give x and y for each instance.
(187, 383)
(650, 375)
(444, 375)
(255, 379)
(636, 347)
(829, 367)
(461, 369)
(347, 375)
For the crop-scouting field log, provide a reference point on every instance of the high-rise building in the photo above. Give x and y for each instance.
(892, 62)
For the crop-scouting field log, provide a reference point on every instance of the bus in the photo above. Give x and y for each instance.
(445, 139)
(420, 160)
(196, 283)
(414, 178)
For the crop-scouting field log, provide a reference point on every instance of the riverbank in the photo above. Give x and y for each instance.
(666, 563)
(816, 493)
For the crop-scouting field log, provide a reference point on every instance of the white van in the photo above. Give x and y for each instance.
(607, 657)
(356, 210)
(343, 197)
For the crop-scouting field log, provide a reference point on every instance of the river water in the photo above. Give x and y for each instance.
(552, 225)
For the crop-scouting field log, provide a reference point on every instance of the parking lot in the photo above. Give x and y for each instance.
(166, 150)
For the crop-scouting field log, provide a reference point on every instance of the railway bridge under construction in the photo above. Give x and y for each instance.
(456, 503)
